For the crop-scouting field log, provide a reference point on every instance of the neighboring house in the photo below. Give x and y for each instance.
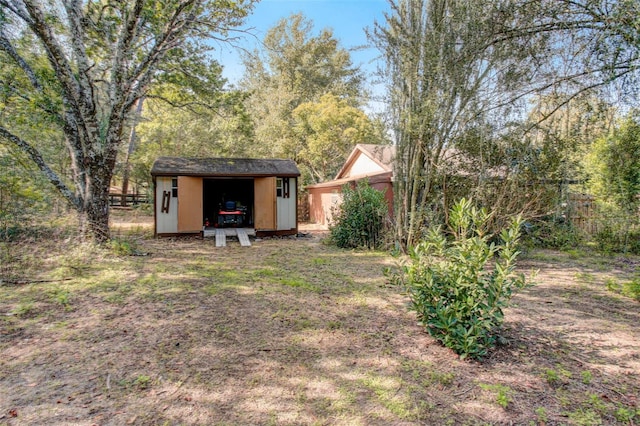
(193, 193)
(371, 162)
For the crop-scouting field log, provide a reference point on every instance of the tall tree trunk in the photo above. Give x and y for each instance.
(130, 149)
(93, 212)
(94, 220)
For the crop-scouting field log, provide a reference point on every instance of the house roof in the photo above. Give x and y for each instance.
(212, 167)
(375, 177)
(382, 155)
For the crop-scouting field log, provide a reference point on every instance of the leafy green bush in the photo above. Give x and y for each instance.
(552, 232)
(632, 289)
(360, 220)
(24, 199)
(457, 295)
(618, 229)
(612, 239)
(123, 247)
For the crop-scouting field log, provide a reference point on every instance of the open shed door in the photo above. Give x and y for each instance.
(265, 203)
(189, 204)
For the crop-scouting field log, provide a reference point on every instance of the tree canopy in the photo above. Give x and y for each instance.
(614, 166)
(463, 76)
(295, 76)
(326, 131)
(306, 65)
(82, 66)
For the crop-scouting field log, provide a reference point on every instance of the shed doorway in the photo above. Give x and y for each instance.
(228, 202)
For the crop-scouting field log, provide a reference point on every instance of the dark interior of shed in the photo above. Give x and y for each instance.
(228, 202)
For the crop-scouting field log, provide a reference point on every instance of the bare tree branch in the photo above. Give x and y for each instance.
(8, 48)
(71, 92)
(36, 157)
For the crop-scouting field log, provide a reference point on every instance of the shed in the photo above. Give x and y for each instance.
(192, 194)
(366, 161)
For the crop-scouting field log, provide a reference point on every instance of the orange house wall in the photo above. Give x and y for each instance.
(317, 207)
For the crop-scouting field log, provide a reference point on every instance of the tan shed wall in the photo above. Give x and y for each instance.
(321, 200)
(265, 203)
(189, 204)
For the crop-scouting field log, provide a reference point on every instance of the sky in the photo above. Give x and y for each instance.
(347, 19)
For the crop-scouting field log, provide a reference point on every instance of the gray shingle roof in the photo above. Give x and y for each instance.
(174, 166)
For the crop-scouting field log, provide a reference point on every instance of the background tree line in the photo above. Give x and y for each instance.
(502, 101)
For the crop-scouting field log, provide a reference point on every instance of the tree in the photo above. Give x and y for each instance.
(164, 130)
(615, 166)
(306, 65)
(84, 65)
(440, 73)
(613, 170)
(458, 69)
(296, 67)
(325, 133)
(580, 45)
(21, 194)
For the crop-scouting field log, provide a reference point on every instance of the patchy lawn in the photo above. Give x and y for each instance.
(291, 331)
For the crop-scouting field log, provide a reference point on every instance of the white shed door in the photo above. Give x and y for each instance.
(166, 205)
(286, 203)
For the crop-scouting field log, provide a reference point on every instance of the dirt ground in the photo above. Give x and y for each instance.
(291, 331)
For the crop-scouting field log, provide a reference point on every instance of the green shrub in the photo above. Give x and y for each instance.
(359, 221)
(457, 295)
(613, 239)
(618, 230)
(123, 247)
(626, 415)
(552, 233)
(24, 197)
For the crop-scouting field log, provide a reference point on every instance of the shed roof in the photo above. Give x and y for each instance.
(223, 167)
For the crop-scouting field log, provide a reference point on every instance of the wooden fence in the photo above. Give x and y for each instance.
(126, 200)
(582, 213)
(303, 207)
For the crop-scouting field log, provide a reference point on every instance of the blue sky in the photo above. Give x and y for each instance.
(347, 18)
